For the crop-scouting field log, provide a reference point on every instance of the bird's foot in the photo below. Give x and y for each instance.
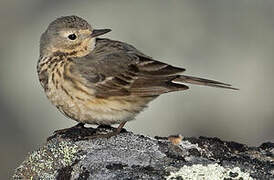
(109, 134)
(100, 135)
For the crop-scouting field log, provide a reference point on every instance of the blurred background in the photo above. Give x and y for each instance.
(230, 41)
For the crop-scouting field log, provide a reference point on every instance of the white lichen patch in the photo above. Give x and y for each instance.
(189, 145)
(45, 161)
(211, 171)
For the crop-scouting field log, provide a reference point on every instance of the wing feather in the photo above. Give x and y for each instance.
(118, 69)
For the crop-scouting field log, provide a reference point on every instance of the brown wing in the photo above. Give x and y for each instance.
(118, 69)
(155, 78)
(126, 73)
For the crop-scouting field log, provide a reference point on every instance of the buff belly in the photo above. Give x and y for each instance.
(83, 106)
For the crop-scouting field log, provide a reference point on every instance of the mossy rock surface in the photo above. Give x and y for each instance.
(131, 156)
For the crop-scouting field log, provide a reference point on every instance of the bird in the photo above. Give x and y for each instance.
(100, 81)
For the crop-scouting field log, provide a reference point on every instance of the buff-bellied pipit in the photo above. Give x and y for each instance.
(102, 81)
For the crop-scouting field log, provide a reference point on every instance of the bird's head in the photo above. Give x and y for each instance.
(71, 36)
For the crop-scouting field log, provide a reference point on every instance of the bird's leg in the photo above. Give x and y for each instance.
(108, 135)
(119, 129)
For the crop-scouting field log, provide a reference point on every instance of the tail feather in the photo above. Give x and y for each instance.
(201, 81)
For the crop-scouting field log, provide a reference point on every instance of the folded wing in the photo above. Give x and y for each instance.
(118, 69)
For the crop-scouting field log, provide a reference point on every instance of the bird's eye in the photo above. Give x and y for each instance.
(72, 36)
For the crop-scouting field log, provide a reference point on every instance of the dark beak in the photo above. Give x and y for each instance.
(98, 32)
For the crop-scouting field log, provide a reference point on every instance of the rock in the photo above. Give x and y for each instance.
(71, 155)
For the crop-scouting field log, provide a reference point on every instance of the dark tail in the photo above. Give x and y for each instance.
(201, 81)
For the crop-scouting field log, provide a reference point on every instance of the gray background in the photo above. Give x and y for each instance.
(231, 41)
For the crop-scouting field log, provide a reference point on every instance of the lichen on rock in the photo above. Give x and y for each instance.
(45, 162)
(210, 171)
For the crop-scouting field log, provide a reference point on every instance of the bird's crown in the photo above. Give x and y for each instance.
(69, 22)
